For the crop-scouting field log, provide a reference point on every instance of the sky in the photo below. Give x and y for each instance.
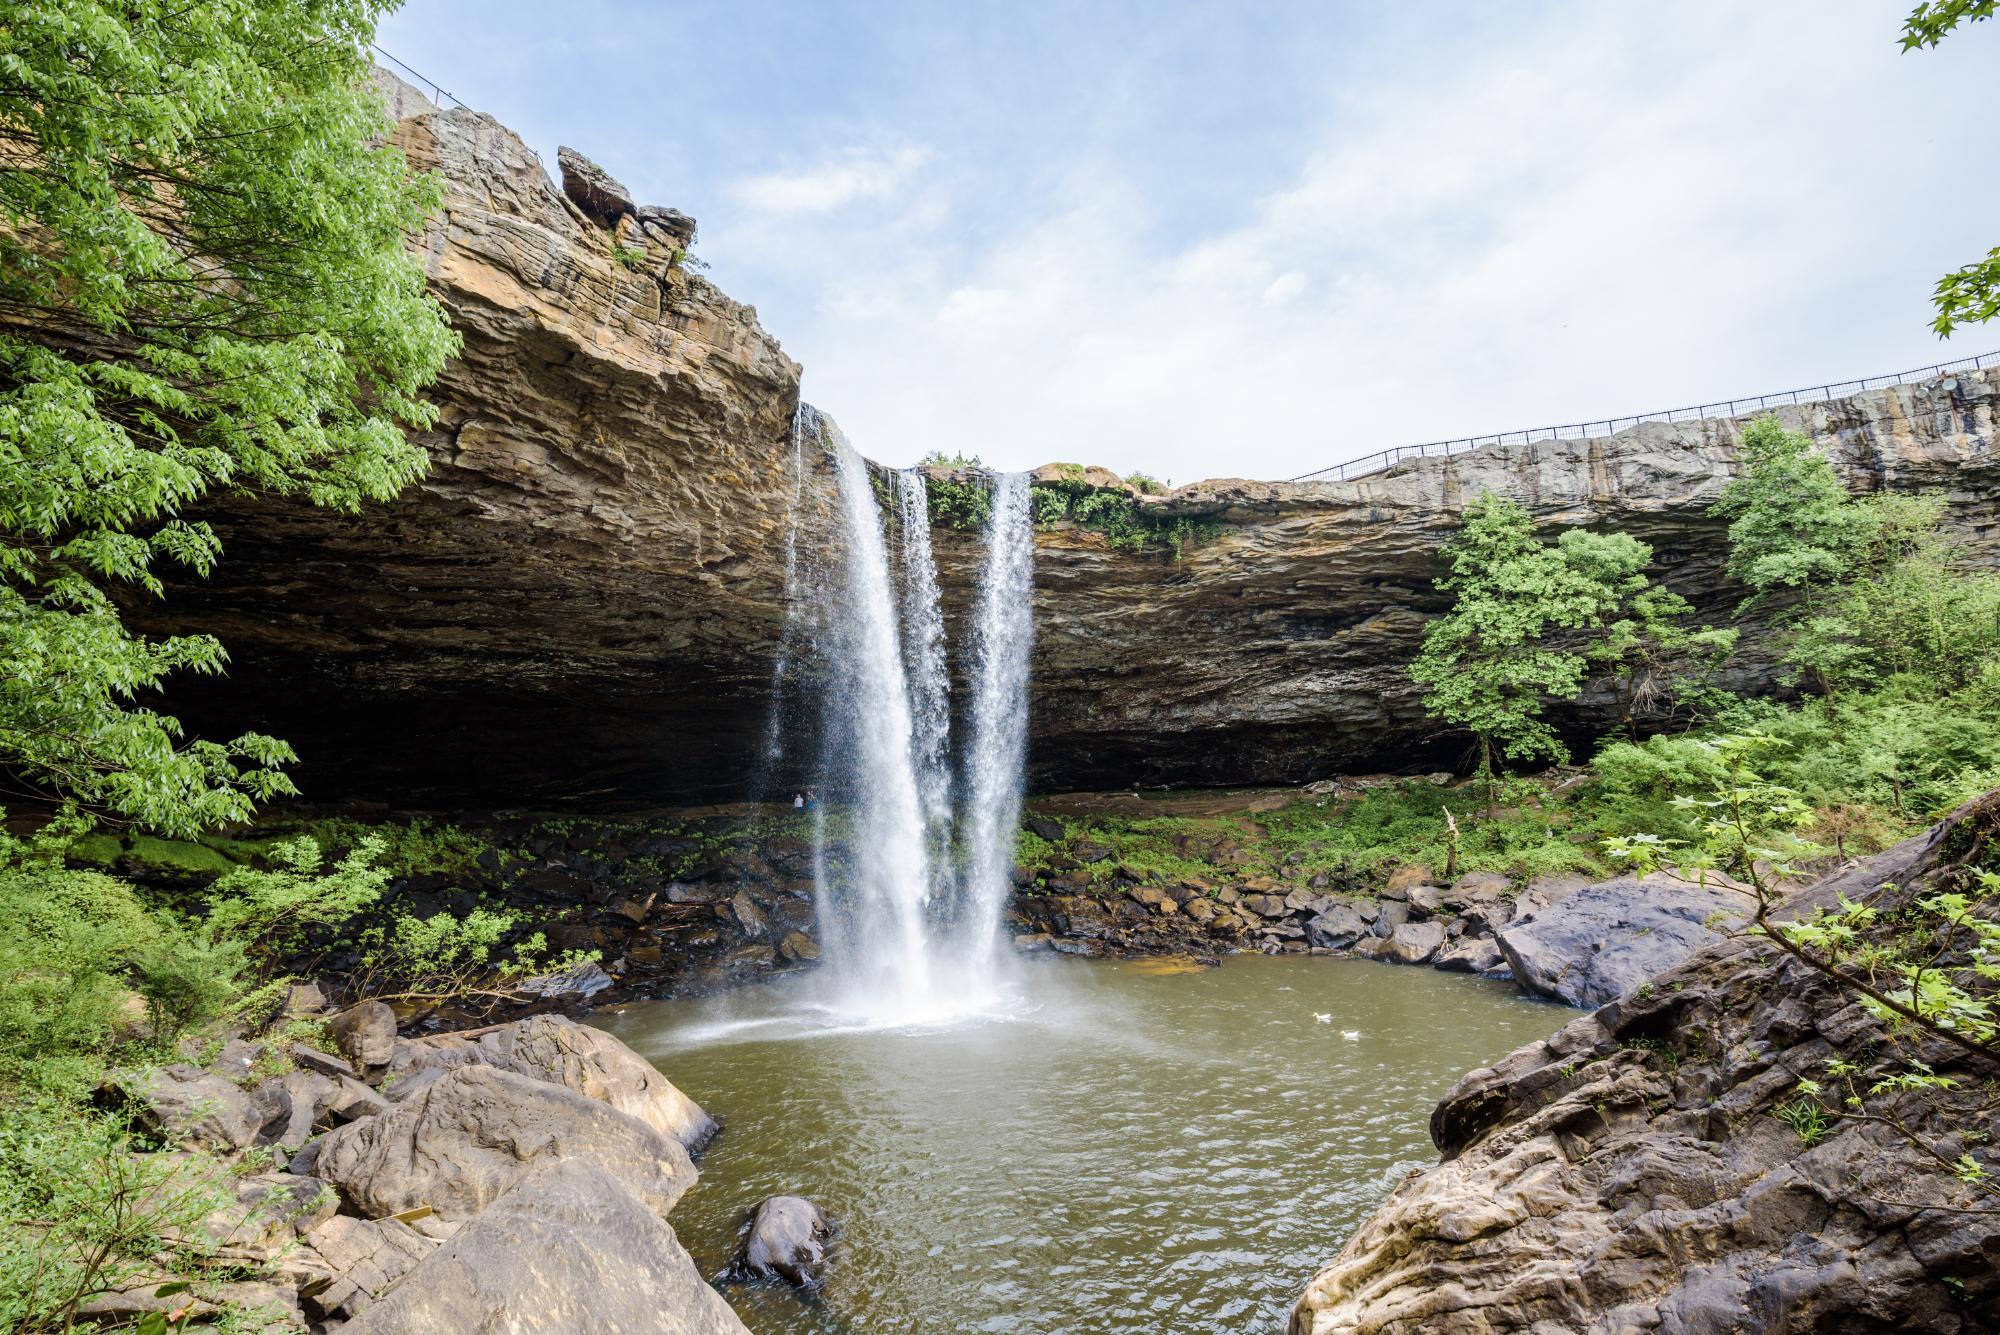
(1253, 239)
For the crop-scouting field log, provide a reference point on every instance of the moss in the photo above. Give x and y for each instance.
(177, 855)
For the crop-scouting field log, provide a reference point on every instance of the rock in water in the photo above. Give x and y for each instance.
(787, 1241)
(1598, 943)
(466, 1139)
(568, 1250)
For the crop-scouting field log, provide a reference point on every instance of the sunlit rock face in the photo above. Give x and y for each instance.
(585, 599)
(584, 593)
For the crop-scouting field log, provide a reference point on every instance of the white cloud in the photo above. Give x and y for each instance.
(1610, 213)
(856, 174)
(1284, 288)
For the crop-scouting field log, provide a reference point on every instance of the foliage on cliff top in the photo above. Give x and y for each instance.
(206, 284)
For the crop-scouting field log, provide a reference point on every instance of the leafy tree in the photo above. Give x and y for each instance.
(204, 283)
(1912, 606)
(1970, 295)
(1494, 660)
(1795, 539)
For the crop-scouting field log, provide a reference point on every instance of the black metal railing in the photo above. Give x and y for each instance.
(438, 94)
(1374, 463)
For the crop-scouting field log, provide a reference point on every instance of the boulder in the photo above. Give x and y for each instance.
(1414, 942)
(325, 1063)
(1336, 927)
(348, 1263)
(464, 1140)
(1471, 954)
(192, 1107)
(1543, 891)
(1427, 898)
(1597, 943)
(787, 1240)
(1049, 831)
(592, 189)
(799, 948)
(1266, 906)
(569, 1249)
(553, 1048)
(1389, 915)
(1405, 879)
(365, 1034)
(1477, 883)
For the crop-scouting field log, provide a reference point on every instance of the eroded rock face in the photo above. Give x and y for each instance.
(585, 594)
(1627, 1174)
(585, 598)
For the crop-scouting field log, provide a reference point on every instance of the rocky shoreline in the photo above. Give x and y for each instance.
(1636, 1170)
(513, 1179)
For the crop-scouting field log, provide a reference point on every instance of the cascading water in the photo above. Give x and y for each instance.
(924, 669)
(997, 748)
(881, 951)
(909, 897)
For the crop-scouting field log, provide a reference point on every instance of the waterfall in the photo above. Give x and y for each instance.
(883, 950)
(911, 890)
(924, 669)
(997, 750)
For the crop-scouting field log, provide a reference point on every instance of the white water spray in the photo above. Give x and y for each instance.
(886, 943)
(924, 669)
(997, 751)
(909, 937)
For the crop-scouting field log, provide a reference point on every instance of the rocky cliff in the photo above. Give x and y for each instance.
(1646, 1169)
(585, 599)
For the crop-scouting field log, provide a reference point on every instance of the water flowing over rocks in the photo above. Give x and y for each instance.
(1628, 1173)
(585, 598)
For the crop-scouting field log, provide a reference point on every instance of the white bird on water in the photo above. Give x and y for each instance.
(1323, 1019)
(1351, 1035)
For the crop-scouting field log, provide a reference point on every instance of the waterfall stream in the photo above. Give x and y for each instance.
(913, 872)
(997, 749)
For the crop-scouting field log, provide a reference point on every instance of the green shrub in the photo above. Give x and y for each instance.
(82, 1214)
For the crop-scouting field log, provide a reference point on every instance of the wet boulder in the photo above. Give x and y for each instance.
(787, 1240)
(467, 1138)
(1471, 954)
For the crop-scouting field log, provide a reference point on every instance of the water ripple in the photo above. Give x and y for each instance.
(1130, 1153)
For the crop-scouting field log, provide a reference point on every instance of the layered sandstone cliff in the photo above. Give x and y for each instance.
(586, 597)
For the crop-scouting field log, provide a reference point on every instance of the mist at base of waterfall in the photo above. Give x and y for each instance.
(909, 911)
